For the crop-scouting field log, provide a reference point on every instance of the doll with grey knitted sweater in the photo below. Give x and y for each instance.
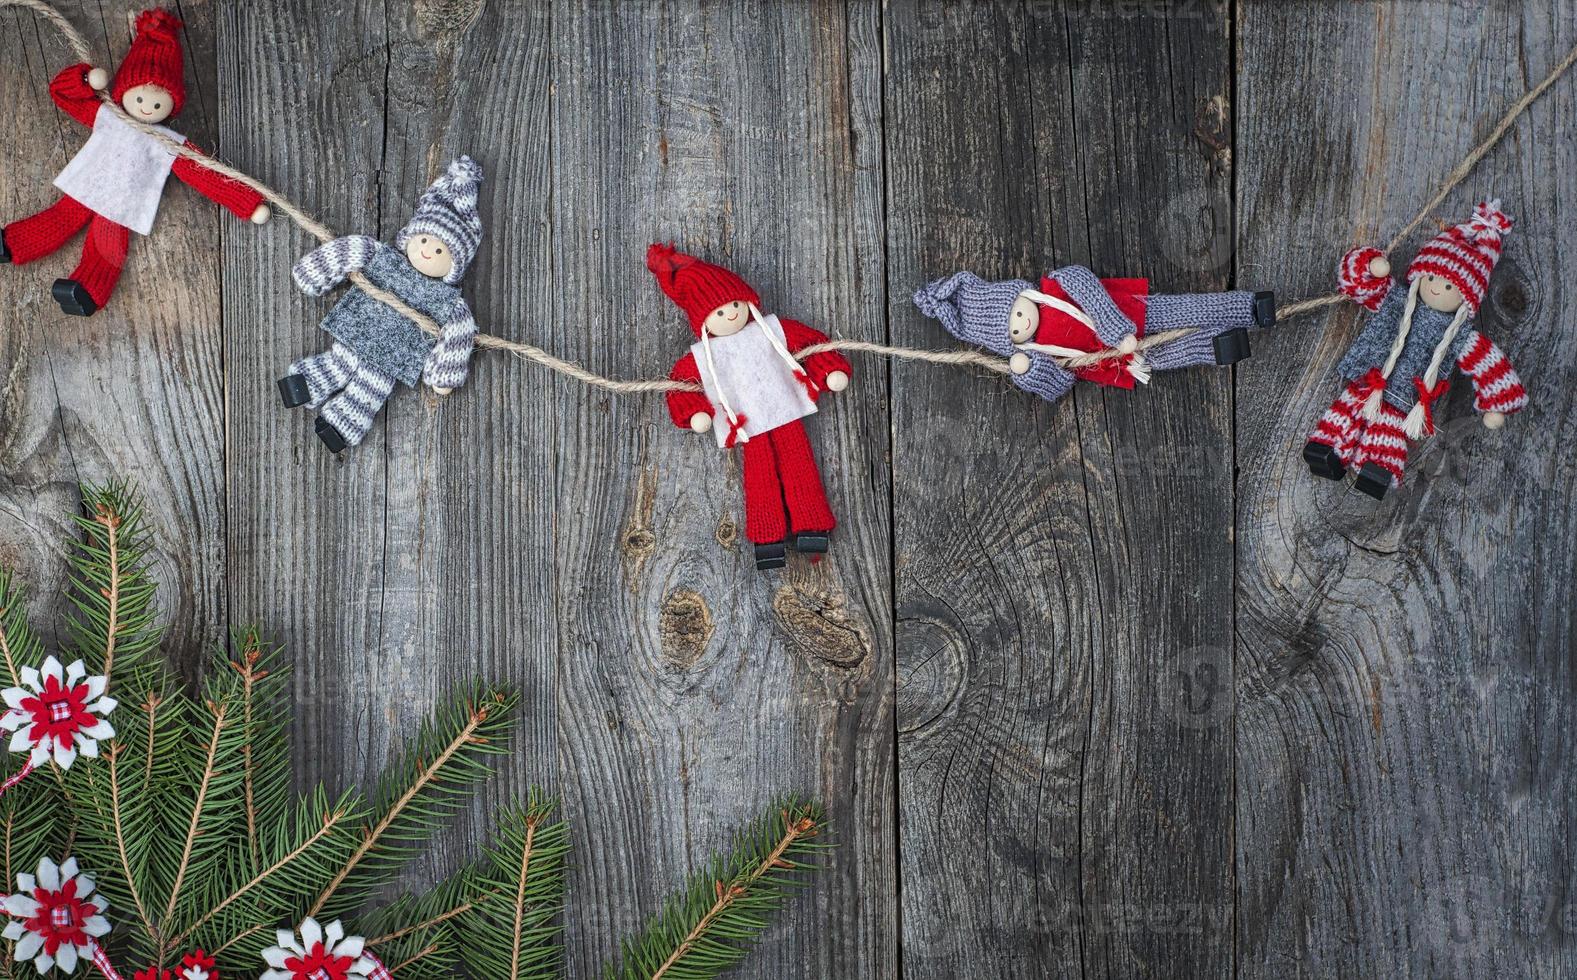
(1401, 363)
(1074, 313)
(375, 346)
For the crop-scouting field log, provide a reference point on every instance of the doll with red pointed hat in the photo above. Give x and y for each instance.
(755, 391)
(1401, 363)
(115, 182)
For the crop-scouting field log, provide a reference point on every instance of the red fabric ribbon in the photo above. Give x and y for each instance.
(101, 960)
(734, 428)
(1370, 383)
(17, 776)
(1426, 398)
(1062, 330)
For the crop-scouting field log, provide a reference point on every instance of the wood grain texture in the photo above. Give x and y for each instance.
(1067, 809)
(692, 689)
(1406, 686)
(1110, 687)
(135, 390)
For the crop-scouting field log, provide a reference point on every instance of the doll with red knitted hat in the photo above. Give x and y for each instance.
(755, 391)
(115, 182)
(1401, 363)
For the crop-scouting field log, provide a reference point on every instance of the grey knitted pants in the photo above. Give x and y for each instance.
(1213, 313)
(349, 393)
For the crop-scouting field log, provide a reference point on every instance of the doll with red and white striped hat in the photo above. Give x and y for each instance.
(1401, 362)
(754, 392)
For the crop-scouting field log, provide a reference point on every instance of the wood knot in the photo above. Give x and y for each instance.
(446, 20)
(639, 542)
(932, 671)
(684, 628)
(1513, 298)
(817, 623)
(727, 532)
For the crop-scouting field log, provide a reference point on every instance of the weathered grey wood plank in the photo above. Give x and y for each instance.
(422, 557)
(1406, 702)
(692, 688)
(308, 552)
(134, 390)
(1065, 571)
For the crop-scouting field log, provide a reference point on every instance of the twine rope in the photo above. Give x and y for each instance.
(961, 358)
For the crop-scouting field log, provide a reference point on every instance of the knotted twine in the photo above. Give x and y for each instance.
(529, 352)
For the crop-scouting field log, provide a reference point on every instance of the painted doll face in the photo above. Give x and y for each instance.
(1438, 293)
(1023, 320)
(727, 319)
(148, 103)
(429, 255)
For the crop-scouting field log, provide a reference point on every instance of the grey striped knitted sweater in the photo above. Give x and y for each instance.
(382, 338)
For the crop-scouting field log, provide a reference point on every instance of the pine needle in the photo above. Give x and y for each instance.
(715, 922)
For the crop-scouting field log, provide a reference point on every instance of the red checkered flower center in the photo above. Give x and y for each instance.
(57, 713)
(60, 917)
(58, 710)
(55, 917)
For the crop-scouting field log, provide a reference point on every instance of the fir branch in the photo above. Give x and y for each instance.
(414, 922)
(512, 933)
(111, 522)
(422, 793)
(18, 643)
(446, 915)
(723, 911)
(303, 851)
(114, 628)
(250, 675)
(333, 821)
(427, 951)
(120, 838)
(256, 679)
(239, 938)
(205, 783)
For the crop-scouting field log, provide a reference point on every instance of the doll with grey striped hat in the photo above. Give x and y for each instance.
(375, 346)
(1075, 313)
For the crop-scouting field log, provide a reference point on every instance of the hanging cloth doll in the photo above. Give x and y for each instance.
(1400, 365)
(375, 346)
(114, 184)
(1076, 312)
(755, 393)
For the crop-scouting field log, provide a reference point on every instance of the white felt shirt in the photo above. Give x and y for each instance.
(754, 379)
(120, 173)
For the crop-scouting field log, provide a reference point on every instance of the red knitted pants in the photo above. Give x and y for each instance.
(1342, 424)
(1357, 440)
(1384, 442)
(103, 251)
(782, 486)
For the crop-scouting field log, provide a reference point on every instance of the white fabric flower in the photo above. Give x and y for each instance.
(57, 713)
(319, 952)
(55, 916)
